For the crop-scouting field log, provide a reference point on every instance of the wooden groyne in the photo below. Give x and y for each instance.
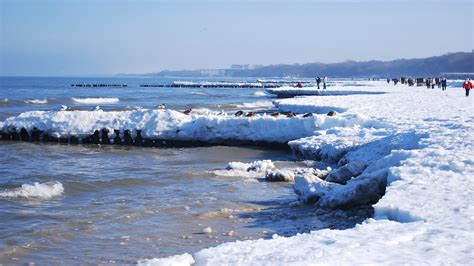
(125, 138)
(98, 85)
(205, 86)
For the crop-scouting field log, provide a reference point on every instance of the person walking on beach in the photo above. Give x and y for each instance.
(444, 83)
(325, 80)
(318, 81)
(467, 86)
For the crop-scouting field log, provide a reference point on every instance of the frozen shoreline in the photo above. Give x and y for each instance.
(401, 139)
(426, 212)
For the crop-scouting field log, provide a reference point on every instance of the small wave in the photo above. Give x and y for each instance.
(37, 190)
(259, 94)
(95, 100)
(4, 102)
(132, 107)
(261, 104)
(199, 93)
(227, 106)
(37, 101)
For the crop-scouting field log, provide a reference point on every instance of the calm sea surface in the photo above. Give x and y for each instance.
(121, 204)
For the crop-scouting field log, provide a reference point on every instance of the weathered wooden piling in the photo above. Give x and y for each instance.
(73, 140)
(6, 136)
(127, 137)
(105, 136)
(54, 139)
(14, 134)
(46, 137)
(95, 137)
(117, 139)
(138, 139)
(149, 143)
(35, 134)
(24, 136)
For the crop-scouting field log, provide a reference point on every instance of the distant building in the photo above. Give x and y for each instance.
(212, 72)
(239, 67)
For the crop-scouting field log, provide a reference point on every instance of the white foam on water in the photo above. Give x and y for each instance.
(37, 101)
(256, 169)
(259, 104)
(199, 93)
(37, 190)
(259, 93)
(95, 100)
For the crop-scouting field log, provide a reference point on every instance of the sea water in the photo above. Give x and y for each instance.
(105, 204)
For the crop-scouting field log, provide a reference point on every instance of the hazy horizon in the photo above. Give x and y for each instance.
(94, 38)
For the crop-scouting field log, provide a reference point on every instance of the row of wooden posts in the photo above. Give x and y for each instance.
(182, 85)
(98, 85)
(200, 86)
(125, 138)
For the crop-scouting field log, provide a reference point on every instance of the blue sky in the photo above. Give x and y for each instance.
(61, 38)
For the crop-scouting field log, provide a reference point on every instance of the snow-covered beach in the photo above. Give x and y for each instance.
(423, 154)
(404, 150)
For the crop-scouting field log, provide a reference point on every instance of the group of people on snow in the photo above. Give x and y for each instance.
(324, 80)
(439, 82)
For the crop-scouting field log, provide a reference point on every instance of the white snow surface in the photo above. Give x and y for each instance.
(421, 144)
(37, 190)
(178, 260)
(287, 91)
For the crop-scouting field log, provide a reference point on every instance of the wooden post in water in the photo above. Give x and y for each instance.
(6, 136)
(15, 135)
(24, 136)
(46, 137)
(138, 138)
(127, 137)
(35, 134)
(95, 137)
(117, 139)
(105, 136)
(73, 140)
